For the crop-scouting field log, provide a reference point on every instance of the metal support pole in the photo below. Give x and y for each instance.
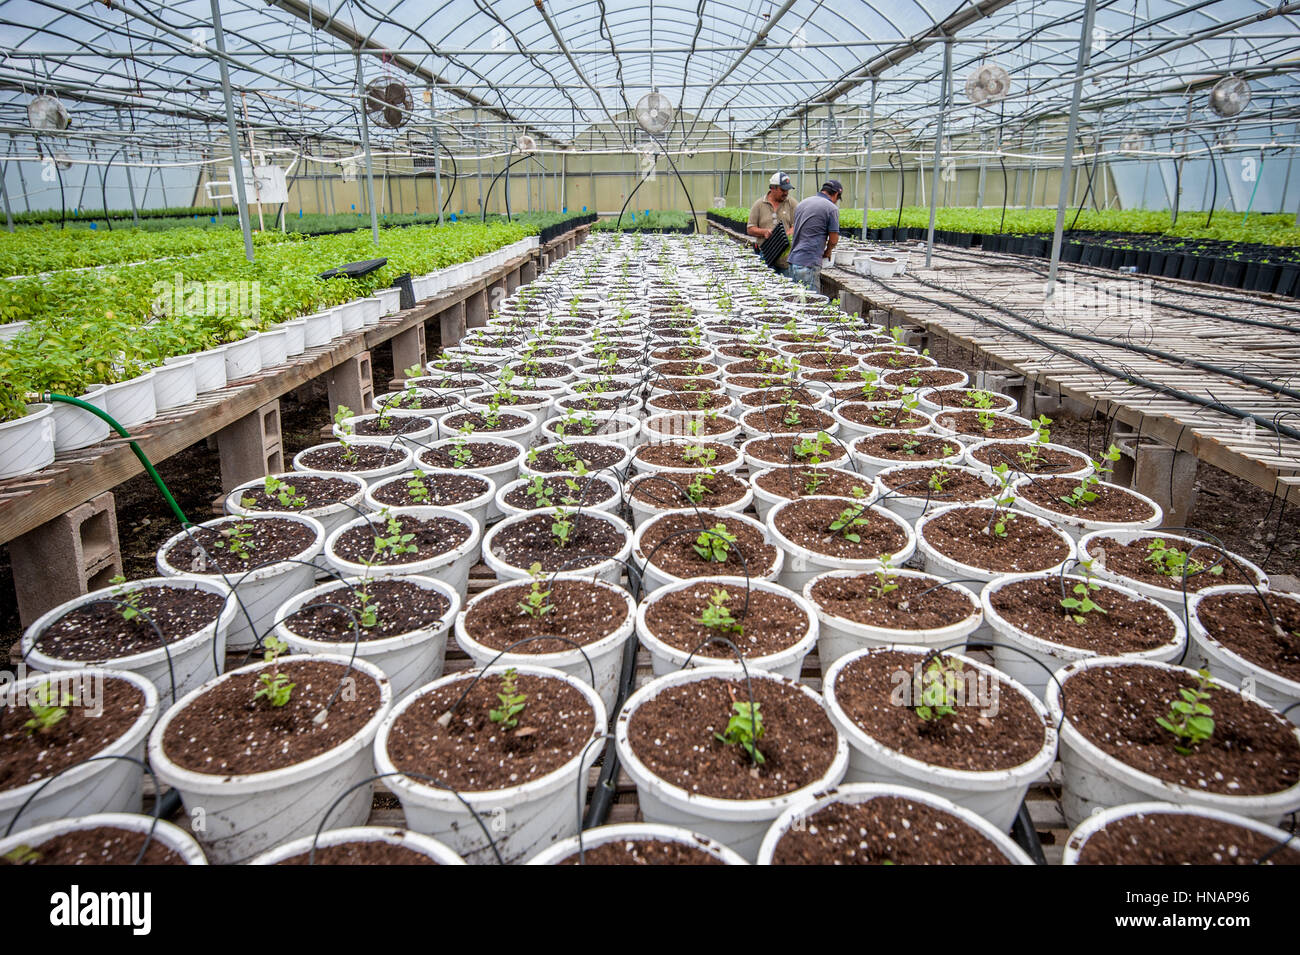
(365, 145)
(1085, 43)
(437, 171)
(803, 146)
(979, 188)
(871, 136)
(130, 189)
(478, 160)
(938, 145)
(4, 193)
(235, 158)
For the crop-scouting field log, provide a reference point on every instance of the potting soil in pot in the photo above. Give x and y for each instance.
(1238, 621)
(679, 557)
(104, 631)
(1252, 750)
(1134, 559)
(474, 753)
(1111, 504)
(399, 607)
(431, 536)
(807, 523)
(100, 845)
(673, 735)
(579, 611)
(1122, 625)
(887, 830)
(359, 457)
(531, 541)
(563, 457)
(438, 490)
(226, 731)
(765, 624)
(929, 606)
(962, 535)
(235, 546)
(1029, 459)
(797, 482)
(642, 852)
(556, 492)
(974, 738)
(299, 493)
(367, 852)
(26, 756)
(1166, 838)
(668, 489)
(905, 448)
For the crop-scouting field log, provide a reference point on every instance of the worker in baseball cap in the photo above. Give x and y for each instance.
(816, 232)
(777, 206)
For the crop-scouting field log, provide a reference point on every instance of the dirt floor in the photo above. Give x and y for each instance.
(1247, 519)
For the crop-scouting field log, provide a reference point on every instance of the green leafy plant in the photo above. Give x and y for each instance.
(275, 689)
(715, 544)
(237, 538)
(886, 580)
(130, 600)
(416, 489)
(535, 605)
(1081, 604)
(47, 710)
(1190, 718)
(1083, 493)
(1172, 562)
(538, 490)
(512, 702)
(698, 455)
(696, 490)
(393, 543)
(745, 729)
(283, 492)
(814, 449)
(460, 453)
(939, 691)
(562, 527)
(938, 478)
(847, 522)
(813, 479)
(22, 855)
(716, 615)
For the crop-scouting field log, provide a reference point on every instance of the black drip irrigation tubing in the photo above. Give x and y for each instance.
(1220, 316)
(1262, 383)
(1128, 377)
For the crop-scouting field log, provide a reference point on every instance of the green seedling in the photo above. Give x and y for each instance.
(416, 489)
(1079, 606)
(539, 492)
(562, 527)
(1083, 493)
(236, 538)
(745, 729)
(716, 616)
(511, 700)
(393, 543)
(286, 494)
(815, 449)
(22, 855)
(846, 523)
(460, 453)
(939, 693)
(696, 490)
(129, 600)
(886, 580)
(938, 478)
(813, 479)
(1190, 718)
(47, 710)
(535, 605)
(714, 545)
(697, 455)
(275, 689)
(1173, 562)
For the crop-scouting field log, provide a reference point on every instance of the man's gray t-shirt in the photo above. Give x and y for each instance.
(814, 219)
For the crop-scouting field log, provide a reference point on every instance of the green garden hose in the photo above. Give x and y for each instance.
(148, 465)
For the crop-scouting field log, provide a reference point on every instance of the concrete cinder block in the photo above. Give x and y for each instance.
(1156, 469)
(351, 383)
(474, 311)
(408, 349)
(452, 325)
(528, 272)
(66, 557)
(251, 447)
(512, 281)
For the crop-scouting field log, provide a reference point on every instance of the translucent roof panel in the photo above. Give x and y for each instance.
(149, 74)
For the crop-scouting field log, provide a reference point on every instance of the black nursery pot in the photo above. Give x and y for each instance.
(1205, 268)
(1173, 264)
(1288, 280)
(1234, 270)
(1155, 263)
(1187, 267)
(1091, 254)
(1217, 271)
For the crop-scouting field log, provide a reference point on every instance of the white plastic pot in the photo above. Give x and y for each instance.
(1077, 526)
(331, 516)
(605, 655)
(409, 659)
(295, 337)
(451, 567)
(870, 465)
(802, 565)
(107, 785)
(412, 434)
(857, 793)
(994, 794)
(476, 507)
(523, 434)
(1019, 662)
(609, 505)
(499, 474)
(76, 427)
(521, 819)
(247, 814)
(372, 309)
(174, 384)
(653, 577)
(1229, 666)
(131, 403)
(401, 464)
(1099, 821)
(209, 369)
(390, 301)
(941, 565)
(274, 345)
(635, 832)
(352, 315)
(243, 358)
(1171, 598)
(666, 658)
(643, 512)
(27, 443)
(609, 570)
(623, 429)
(258, 593)
(765, 500)
(911, 503)
(193, 659)
(618, 467)
(841, 636)
(970, 460)
(404, 838)
(1094, 779)
(166, 834)
(318, 329)
(738, 823)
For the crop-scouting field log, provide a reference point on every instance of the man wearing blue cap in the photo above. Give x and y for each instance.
(776, 206)
(816, 232)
